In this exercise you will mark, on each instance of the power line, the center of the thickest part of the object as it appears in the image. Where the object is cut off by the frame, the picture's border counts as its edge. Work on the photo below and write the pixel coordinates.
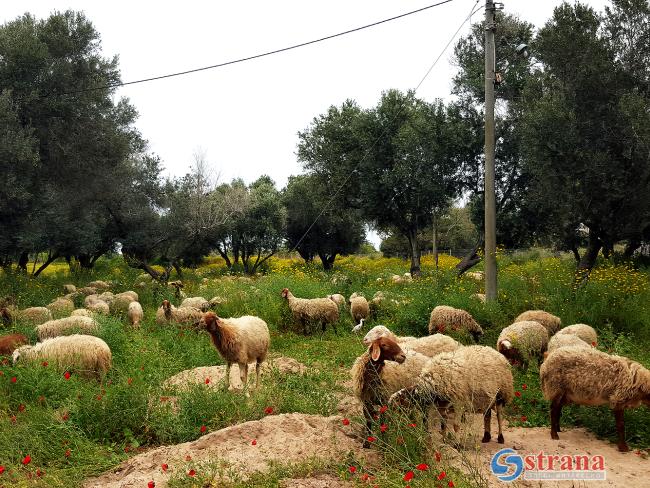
(473, 10)
(256, 56)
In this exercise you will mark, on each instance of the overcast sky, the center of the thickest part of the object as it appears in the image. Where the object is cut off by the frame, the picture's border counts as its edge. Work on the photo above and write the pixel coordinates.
(246, 116)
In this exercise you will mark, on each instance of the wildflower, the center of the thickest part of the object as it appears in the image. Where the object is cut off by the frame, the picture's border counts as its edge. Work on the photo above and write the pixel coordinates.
(352, 469)
(372, 439)
(21, 408)
(164, 467)
(438, 456)
(408, 476)
(345, 421)
(2, 469)
(422, 467)
(451, 484)
(13, 418)
(413, 425)
(207, 381)
(254, 442)
(365, 477)
(45, 364)
(68, 453)
(517, 394)
(191, 472)
(383, 427)
(151, 484)
(524, 418)
(39, 473)
(383, 409)
(268, 410)
(65, 416)
(66, 375)
(14, 379)
(26, 460)
(442, 475)
(524, 386)
(129, 381)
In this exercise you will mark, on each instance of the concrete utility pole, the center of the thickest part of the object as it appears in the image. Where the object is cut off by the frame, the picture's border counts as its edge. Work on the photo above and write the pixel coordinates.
(490, 198)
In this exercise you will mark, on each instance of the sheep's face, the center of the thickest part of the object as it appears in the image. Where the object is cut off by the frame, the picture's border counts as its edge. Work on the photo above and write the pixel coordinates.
(211, 321)
(166, 305)
(285, 293)
(386, 349)
(18, 352)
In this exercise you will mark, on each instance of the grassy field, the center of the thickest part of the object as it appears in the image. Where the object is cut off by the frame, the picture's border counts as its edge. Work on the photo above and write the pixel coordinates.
(74, 428)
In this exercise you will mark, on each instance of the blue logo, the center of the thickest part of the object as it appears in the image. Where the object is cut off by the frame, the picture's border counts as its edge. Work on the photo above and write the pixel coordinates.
(505, 461)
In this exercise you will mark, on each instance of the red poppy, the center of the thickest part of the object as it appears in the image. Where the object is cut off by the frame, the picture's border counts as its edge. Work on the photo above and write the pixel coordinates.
(207, 381)
(191, 472)
(14, 379)
(65, 416)
(45, 364)
(438, 456)
(2, 469)
(524, 386)
(41, 399)
(408, 476)
(13, 418)
(151, 484)
(26, 460)
(383, 427)
(254, 442)
(66, 375)
(442, 475)
(352, 469)
(99, 397)
(203, 428)
(422, 467)
(372, 439)
(67, 453)
(164, 467)
(593, 344)
(451, 484)
(21, 408)
(365, 477)
(268, 410)
(39, 473)
(383, 409)
(524, 418)
(517, 394)
(345, 421)
(413, 425)
(129, 381)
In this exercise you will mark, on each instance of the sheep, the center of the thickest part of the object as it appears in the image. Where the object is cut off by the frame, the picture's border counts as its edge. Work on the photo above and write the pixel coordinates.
(338, 299)
(475, 275)
(564, 340)
(216, 301)
(182, 315)
(121, 301)
(85, 354)
(98, 306)
(196, 302)
(69, 288)
(99, 285)
(428, 345)
(61, 307)
(81, 312)
(240, 340)
(472, 378)
(135, 313)
(587, 376)
(9, 342)
(64, 326)
(551, 322)
(305, 310)
(35, 315)
(87, 290)
(444, 317)
(523, 341)
(583, 331)
(359, 308)
(375, 379)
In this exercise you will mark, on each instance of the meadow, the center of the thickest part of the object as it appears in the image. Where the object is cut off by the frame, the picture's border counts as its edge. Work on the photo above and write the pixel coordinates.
(57, 431)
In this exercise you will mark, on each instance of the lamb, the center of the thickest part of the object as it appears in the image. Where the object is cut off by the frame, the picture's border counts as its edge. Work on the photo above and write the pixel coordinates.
(583, 331)
(183, 315)
(359, 308)
(523, 341)
(587, 376)
(9, 342)
(428, 345)
(444, 317)
(196, 302)
(135, 313)
(61, 307)
(240, 340)
(35, 315)
(85, 354)
(551, 322)
(564, 340)
(305, 310)
(338, 299)
(64, 326)
(472, 378)
(375, 379)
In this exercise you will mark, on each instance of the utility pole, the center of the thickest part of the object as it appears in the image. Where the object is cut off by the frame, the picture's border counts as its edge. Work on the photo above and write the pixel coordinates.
(489, 195)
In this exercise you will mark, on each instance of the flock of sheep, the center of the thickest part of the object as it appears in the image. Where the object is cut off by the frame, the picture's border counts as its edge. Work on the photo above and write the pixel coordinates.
(427, 373)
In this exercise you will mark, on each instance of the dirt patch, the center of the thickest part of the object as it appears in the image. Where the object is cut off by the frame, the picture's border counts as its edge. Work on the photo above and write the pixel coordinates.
(214, 376)
(287, 438)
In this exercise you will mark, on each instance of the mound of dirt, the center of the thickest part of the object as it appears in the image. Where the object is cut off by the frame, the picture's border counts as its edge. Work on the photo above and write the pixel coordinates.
(244, 449)
(213, 376)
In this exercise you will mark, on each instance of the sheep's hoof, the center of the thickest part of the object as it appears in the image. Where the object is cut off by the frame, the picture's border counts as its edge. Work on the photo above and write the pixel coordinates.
(623, 447)
(500, 439)
(486, 437)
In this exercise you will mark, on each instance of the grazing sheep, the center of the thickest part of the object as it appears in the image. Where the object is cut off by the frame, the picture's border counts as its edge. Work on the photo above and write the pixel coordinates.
(338, 299)
(35, 315)
(9, 342)
(135, 313)
(375, 379)
(551, 322)
(583, 331)
(475, 275)
(216, 301)
(472, 378)
(107, 297)
(61, 307)
(69, 288)
(87, 290)
(240, 340)
(359, 308)
(84, 354)
(306, 310)
(587, 376)
(428, 345)
(196, 302)
(97, 305)
(564, 340)
(81, 312)
(523, 341)
(65, 326)
(182, 315)
(121, 301)
(99, 285)
(445, 318)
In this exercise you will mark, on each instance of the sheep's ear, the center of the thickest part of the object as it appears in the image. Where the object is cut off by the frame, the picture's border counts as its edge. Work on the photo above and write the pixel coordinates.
(375, 351)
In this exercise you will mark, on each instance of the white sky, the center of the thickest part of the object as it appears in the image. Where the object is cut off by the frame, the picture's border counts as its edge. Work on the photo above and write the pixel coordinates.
(246, 116)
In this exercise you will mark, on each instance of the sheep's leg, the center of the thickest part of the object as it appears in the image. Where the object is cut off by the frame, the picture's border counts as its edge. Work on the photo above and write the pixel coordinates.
(487, 421)
(334, 327)
(499, 408)
(619, 414)
(243, 376)
(228, 375)
(556, 413)
(258, 369)
(304, 326)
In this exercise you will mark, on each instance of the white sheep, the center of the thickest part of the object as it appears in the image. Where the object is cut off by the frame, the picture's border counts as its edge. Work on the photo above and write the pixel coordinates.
(84, 354)
(471, 379)
(196, 302)
(65, 326)
(99, 285)
(564, 340)
(446, 319)
(428, 345)
(61, 307)
(382, 370)
(382, 331)
(135, 313)
(81, 312)
(338, 299)
(183, 315)
(359, 308)
(121, 301)
(305, 310)
(35, 315)
(240, 340)
(96, 305)
(587, 376)
(523, 341)
(69, 288)
(583, 331)
(550, 321)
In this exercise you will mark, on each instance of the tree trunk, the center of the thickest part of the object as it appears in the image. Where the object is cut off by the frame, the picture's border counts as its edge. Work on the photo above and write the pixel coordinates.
(471, 258)
(415, 253)
(50, 259)
(179, 270)
(23, 260)
(435, 240)
(588, 260)
(631, 246)
(327, 260)
(576, 254)
(224, 255)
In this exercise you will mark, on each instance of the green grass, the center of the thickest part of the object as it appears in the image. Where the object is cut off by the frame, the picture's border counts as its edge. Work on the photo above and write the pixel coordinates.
(43, 415)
